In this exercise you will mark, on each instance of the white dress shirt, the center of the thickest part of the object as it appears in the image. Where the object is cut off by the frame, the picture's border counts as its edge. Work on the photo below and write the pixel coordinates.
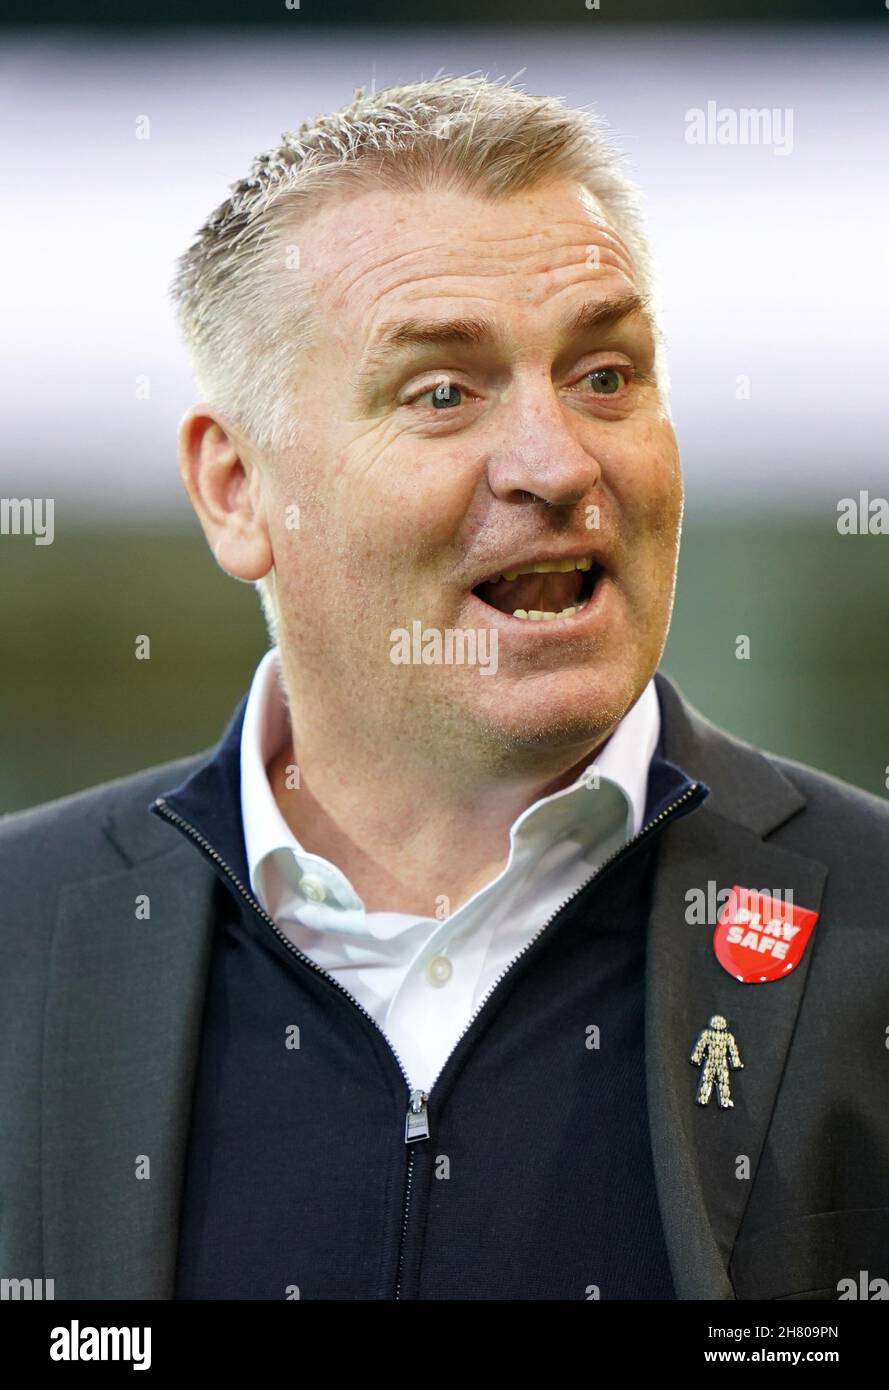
(422, 979)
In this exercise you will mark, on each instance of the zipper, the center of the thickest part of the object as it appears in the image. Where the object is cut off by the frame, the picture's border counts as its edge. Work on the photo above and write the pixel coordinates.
(612, 858)
(416, 1120)
(402, 1243)
(416, 1124)
(423, 1096)
(173, 816)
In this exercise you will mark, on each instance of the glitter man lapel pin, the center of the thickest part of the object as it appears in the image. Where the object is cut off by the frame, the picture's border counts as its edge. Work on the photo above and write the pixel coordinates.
(713, 1051)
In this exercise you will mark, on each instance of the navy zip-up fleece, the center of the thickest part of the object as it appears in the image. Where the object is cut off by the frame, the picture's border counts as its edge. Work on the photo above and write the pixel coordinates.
(536, 1180)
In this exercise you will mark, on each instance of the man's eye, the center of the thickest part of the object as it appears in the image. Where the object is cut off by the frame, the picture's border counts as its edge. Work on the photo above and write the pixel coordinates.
(442, 397)
(605, 381)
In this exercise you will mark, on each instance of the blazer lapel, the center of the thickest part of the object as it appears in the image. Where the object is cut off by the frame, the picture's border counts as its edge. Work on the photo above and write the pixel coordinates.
(123, 1014)
(706, 1157)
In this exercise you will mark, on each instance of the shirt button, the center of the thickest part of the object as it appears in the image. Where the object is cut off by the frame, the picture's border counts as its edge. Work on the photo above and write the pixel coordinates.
(313, 889)
(439, 970)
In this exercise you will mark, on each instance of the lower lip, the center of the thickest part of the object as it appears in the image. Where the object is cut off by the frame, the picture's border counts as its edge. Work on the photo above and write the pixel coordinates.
(588, 618)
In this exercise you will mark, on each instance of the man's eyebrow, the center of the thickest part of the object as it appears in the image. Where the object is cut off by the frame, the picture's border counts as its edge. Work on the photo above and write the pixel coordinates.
(605, 313)
(392, 337)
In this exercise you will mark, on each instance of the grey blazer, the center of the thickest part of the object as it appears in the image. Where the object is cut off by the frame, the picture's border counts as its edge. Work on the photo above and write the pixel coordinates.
(100, 1017)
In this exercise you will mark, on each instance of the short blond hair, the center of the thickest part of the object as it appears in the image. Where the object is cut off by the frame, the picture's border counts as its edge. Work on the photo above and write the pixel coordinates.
(486, 137)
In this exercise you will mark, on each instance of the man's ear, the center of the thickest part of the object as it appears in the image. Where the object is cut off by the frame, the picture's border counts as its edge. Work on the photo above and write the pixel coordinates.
(223, 479)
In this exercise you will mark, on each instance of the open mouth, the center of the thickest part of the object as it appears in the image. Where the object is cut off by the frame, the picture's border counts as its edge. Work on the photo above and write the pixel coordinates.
(544, 591)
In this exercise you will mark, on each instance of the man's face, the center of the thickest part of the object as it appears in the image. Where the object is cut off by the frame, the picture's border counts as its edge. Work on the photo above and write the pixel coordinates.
(545, 440)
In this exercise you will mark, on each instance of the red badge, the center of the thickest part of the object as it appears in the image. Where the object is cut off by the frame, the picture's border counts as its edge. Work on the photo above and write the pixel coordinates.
(759, 938)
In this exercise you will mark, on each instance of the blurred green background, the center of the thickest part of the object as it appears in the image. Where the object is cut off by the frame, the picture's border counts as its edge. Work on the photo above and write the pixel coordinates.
(746, 246)
(78, 708)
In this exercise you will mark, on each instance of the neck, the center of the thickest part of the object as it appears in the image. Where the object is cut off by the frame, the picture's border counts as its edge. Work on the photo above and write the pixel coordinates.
(405, 837)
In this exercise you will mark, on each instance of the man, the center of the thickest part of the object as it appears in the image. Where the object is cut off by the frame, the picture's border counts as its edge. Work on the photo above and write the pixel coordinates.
(405, 989)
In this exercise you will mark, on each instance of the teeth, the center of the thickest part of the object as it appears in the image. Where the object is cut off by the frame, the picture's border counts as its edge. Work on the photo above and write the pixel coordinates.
(547, 567)
(537, 617)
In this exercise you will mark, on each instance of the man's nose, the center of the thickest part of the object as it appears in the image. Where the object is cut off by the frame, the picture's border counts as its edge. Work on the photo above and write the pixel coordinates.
(544, 448)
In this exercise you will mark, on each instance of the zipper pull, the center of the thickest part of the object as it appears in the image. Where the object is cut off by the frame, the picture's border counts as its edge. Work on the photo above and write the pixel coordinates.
(416, 1124)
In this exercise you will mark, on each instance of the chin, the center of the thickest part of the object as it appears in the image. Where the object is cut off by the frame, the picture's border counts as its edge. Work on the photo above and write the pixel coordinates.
(563, 711)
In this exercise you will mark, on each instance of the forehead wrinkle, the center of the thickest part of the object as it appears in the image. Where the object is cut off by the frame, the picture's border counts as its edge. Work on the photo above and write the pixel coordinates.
(486, 249)
(434, 283)
(361, 273)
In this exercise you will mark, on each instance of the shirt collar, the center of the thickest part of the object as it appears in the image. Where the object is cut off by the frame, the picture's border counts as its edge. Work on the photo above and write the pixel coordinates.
(626, 757)
(624, 761)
